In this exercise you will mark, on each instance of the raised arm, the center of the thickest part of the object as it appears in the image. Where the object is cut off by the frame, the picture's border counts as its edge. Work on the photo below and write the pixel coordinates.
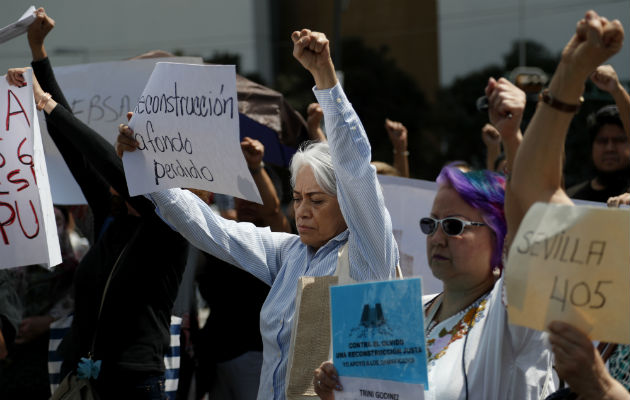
(91, 159)
(371, 242)
(506, 104)
(606, 79)
(397, 133)
(314, 116)
(255, 250)
(270, 214)
(312, 50)
(36, 34)
(492, 140)
(93, 186)
(596, 39)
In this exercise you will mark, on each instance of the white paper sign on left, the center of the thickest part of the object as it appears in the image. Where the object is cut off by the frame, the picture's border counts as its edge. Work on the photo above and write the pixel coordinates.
(18, 27)
(28, 232)
(186, 123)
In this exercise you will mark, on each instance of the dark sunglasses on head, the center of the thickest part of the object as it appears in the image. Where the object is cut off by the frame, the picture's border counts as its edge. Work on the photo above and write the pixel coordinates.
(452, 226)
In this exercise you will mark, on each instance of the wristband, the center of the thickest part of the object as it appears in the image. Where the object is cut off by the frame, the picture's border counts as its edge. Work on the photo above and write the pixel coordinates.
(256, 170)
(404, 153)
(546, 97)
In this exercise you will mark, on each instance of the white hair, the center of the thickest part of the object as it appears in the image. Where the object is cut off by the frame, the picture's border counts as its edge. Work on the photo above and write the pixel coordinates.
(317, 156)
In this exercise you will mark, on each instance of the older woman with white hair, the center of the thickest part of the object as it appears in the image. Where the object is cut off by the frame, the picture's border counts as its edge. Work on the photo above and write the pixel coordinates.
(337, 200)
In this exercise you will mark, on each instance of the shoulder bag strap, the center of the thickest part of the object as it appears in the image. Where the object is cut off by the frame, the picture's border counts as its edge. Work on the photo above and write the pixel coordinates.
(399, 274)
(343, 266)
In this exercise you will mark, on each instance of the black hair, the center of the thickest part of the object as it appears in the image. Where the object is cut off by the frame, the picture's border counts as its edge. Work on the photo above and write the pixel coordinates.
(606, 115)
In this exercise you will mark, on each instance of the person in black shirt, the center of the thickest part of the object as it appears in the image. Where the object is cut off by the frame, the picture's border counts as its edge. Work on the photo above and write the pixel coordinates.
(132, 333)
(609, 129)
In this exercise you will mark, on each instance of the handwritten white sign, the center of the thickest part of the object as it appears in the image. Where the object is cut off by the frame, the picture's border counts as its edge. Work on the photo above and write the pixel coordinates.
(408, 200)
(19, 27)
(100, 95)
(28, 232)
(186, 123)
(572, 264)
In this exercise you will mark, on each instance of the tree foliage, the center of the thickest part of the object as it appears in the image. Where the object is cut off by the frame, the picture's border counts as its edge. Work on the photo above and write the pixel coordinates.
(378, 89)
(446, 130)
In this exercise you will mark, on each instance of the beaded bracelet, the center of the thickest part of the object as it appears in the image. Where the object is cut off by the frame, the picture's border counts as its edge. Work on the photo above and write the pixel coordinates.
(43, 101)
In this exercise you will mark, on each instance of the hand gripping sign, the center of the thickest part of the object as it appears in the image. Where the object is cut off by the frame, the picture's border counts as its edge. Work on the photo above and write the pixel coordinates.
(28, 233)
(379, 346)
(186, 123)
(572, 264)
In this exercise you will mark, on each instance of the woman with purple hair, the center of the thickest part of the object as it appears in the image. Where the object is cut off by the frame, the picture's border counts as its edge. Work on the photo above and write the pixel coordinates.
(472, 350)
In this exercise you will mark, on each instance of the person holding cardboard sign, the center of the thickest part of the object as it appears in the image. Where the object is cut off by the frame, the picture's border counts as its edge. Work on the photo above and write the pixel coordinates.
(142, 255)
(596, 39)
(337, 200)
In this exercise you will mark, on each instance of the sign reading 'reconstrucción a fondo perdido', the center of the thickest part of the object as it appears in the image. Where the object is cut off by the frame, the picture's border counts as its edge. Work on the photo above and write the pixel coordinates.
(186, 125)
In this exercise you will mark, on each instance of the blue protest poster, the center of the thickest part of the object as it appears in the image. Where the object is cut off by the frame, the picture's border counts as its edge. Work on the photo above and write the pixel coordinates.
(378, 331)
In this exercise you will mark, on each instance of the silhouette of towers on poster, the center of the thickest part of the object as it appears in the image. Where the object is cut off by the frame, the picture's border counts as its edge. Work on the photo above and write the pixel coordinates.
(372, 322)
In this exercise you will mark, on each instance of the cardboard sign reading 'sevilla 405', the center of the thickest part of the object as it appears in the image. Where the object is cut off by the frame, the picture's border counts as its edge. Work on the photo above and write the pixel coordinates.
(28, 233)
(572, 264)
(186, 123)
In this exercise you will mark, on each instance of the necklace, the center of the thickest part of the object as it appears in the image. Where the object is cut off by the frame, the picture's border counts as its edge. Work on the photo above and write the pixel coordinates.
(451, 329)
(434, 321)
(434, 306)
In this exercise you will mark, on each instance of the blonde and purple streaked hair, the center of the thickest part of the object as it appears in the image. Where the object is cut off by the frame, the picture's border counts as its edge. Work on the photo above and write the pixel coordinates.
(485, 191)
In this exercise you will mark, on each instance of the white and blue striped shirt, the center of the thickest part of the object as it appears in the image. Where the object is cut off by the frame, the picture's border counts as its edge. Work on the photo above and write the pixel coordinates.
(279, 259)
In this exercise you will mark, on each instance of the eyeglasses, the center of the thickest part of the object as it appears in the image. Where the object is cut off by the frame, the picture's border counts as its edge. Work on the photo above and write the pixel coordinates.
(452, 226)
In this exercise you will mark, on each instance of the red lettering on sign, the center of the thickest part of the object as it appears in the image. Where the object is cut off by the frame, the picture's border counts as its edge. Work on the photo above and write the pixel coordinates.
(20, 220)
(12, 113)
(7, 222)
